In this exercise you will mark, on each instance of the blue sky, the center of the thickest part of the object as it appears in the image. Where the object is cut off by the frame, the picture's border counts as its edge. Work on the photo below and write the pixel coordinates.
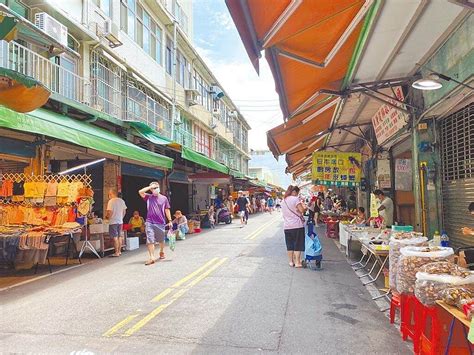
(218, 42)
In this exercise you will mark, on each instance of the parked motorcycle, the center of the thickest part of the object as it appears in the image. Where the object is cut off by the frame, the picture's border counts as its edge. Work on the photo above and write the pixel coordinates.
(224, 216)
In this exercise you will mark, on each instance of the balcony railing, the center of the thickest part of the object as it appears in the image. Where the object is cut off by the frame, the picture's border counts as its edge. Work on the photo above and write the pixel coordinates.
(185, 138)
(53, 76)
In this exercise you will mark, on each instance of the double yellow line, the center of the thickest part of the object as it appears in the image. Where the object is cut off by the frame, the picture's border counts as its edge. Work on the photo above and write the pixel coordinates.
(175, 292)
(259, 231)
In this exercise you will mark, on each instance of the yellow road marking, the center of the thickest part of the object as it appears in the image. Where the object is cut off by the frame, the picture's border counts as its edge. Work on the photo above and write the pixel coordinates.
(140, 324)
(162, 295)
(190, 276)
(260, 230)
(119, 325)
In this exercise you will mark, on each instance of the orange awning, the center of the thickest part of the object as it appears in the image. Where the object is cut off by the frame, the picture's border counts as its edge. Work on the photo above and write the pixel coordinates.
(308, 43)
(302, 129)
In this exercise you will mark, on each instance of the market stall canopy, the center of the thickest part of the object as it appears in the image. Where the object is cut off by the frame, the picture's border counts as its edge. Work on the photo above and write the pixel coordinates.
(83, 134)
(210, 178)
(201, 159)
(237, 174)
(309, 44)
(21, 93)
(302, 130)
(14, 26)
(148, 133)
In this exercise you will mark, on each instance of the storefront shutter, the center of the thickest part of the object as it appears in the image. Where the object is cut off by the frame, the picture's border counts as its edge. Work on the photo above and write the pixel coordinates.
(457, 139)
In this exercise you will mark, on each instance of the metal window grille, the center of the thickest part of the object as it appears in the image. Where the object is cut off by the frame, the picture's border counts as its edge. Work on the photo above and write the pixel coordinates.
(457, 136)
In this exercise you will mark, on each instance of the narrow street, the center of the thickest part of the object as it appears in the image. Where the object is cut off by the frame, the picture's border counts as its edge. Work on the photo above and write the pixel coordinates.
(228, 290)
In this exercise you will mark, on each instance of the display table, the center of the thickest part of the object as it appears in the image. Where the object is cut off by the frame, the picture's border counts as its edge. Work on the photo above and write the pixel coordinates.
(456, 317)
(348, 233)
(380, 256)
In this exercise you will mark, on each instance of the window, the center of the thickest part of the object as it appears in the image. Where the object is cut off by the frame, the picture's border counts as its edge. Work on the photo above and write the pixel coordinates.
(105, 6)
(146, 32)
(169, 56)
(17, 7)
(181, 64)
(156, 42)
(180, 16)
(128, 17)
(203, 141)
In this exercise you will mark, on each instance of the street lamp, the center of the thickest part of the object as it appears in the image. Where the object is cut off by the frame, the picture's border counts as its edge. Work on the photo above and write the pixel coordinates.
(433, 82)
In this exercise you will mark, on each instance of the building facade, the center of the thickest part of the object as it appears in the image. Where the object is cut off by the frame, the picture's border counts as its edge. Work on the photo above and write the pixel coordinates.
(129, 66)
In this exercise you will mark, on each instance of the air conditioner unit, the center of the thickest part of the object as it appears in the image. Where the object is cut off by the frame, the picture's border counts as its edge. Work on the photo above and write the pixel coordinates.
(52, 27)
(233, 114)
(192, 97)
(177, 118)
(111, 33)
(216, 92)
(216, 112)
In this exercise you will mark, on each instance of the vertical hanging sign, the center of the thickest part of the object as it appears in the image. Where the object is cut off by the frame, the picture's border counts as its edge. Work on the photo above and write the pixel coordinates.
(388, 120)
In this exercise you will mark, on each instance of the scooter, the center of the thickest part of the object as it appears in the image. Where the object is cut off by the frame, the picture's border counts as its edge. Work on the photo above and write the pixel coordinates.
(224, 216)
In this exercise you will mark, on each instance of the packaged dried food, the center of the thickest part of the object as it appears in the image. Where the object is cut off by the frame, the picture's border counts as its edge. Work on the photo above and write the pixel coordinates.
(468, 310)
(412, 259)
(457, 296)
(398, 241)
(431, 281)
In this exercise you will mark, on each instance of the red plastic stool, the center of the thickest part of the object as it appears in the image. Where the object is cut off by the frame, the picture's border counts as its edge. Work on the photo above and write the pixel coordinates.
(410, 319)
(332, 230)
(430, 331)
(395, 303)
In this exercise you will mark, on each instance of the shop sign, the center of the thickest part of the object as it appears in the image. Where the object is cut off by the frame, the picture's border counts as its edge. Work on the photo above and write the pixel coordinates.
(336, 169)
(383, 174)
(403, 175)
(388, 120)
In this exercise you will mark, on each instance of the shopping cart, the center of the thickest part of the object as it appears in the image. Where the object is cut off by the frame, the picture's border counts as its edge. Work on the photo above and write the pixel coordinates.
(313, 248)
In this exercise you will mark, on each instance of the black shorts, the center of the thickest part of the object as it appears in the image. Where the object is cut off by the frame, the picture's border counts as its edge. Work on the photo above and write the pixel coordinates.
(295, 239)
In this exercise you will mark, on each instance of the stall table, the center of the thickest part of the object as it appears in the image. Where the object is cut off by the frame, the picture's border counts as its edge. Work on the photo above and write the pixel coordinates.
(460, 317)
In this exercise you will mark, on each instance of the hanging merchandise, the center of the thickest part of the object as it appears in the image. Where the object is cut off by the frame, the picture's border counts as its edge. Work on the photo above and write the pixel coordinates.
(35, 209)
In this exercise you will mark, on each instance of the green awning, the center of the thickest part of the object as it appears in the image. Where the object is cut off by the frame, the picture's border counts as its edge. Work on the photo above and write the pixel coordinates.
(237, 174)
(149, 133)
(198, 158)
(84, 134)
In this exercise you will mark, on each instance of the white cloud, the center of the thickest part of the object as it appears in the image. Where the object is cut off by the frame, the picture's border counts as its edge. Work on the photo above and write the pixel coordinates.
(223, 20)
(254, 95)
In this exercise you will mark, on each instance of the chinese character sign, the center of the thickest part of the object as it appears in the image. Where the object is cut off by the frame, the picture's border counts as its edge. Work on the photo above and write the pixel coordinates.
(334, 168)
(388, 120)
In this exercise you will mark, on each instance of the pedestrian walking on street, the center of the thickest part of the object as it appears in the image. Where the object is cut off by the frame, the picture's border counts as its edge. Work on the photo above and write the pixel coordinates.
(157, 219)
(293, 209)
(116, 209)
(243, 204)
(278, 204)
(270, 204)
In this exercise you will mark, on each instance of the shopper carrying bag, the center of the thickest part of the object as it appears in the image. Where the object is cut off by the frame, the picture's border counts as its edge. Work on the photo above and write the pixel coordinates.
(293, 209)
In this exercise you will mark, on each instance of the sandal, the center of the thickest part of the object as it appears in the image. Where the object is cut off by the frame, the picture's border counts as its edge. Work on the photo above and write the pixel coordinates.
(162, 255)
(149, 262)
(291, 264)
(298, 266)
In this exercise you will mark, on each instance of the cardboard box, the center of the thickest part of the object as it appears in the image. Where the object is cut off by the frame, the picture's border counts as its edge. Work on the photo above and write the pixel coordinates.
(96, 229)
(132, 243)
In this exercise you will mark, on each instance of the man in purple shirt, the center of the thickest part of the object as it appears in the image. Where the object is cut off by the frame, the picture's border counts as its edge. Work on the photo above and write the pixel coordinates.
(158, 217)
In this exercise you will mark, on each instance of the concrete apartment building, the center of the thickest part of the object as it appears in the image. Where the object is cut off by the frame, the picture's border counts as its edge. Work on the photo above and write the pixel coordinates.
(129, 66)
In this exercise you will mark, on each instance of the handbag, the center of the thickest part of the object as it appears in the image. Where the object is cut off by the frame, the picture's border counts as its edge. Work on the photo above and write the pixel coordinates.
(296, 214)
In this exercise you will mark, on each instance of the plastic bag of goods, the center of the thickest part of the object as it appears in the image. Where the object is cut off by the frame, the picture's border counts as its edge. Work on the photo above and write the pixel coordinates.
(398, 241)
(413, 258)
(457, 296)
(434, 278)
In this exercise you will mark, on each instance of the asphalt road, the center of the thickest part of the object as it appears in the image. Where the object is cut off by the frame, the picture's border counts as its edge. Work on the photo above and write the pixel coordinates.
(229, 290)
